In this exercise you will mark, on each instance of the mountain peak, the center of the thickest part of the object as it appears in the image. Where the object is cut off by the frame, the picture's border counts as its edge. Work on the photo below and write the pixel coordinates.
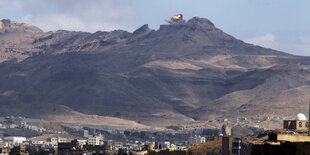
(8, 26)
(181, 71)
(5, 22)
(203, 22)
(194, 23)
(143, 29)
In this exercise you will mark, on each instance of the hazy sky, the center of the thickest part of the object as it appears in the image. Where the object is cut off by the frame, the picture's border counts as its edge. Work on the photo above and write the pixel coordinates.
(278, 24)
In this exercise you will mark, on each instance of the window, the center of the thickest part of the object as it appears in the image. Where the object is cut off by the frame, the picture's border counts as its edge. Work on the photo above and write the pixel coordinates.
(307, 124)
(235, 151)
(235, 144)
(300, 124)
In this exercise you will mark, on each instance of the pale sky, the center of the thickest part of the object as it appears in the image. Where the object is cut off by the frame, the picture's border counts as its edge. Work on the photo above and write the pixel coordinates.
(279, 24)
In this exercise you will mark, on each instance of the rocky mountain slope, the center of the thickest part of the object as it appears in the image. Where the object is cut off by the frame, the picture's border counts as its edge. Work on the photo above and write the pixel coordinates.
(179, 73)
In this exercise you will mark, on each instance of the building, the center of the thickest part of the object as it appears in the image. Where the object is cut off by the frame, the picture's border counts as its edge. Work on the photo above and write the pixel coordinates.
(284, 144)
(215, 138)
(96, 149)
(236, 146)
(94, 140)
(86, 133)
(72, 148)
(196, 140)
(287, 143)
(117, 145)
(54, 141)
(122, 151)
(1, 133)
(300, 123)
(15, 140)
(231, 145)
(227, 145)
(148, 147)
(162, 145)
(19, 150)
(295, 124)
(4, 151)
(82, 142)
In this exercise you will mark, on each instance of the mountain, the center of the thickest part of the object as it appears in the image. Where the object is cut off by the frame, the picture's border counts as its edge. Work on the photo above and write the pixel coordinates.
(179, 73)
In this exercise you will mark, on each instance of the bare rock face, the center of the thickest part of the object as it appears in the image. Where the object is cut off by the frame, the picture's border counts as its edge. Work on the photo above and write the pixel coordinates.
(8, 26)
(142, 30)
(181, 72)
(16, 40)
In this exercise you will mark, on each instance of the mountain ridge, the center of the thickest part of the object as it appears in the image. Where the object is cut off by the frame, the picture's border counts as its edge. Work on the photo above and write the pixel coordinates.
(178, 73)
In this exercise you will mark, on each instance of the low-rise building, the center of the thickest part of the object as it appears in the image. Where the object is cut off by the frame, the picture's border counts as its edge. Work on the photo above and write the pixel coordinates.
(162, 145)
(72, 148)
(295, 124)
(19, 150)
(96, 149)
(196, 140)
(300, 123)
(55, 140)
(94, 140)
(284, 144)
(4, 151)
(15, 139)
(118, 145)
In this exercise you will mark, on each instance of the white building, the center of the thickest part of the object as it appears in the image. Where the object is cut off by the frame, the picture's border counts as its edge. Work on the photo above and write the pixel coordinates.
(196, 140)
(37, 142)
(161, 145)
(54, 141)
(118, 145)
(15, 140)
(82, 142)
(94, 140)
